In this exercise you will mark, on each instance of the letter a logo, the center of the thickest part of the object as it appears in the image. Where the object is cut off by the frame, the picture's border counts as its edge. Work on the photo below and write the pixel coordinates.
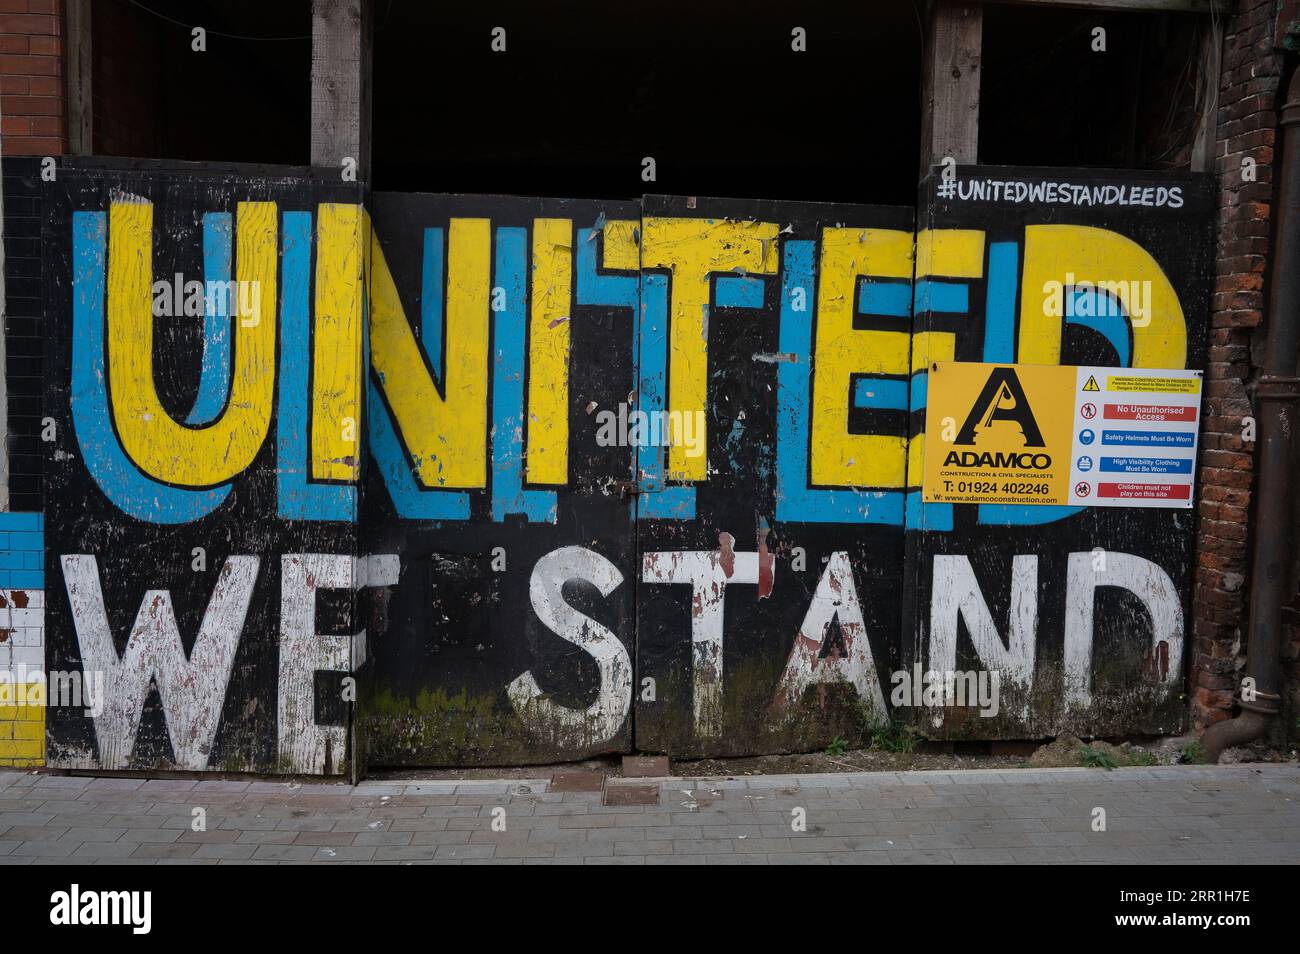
(1004, 400)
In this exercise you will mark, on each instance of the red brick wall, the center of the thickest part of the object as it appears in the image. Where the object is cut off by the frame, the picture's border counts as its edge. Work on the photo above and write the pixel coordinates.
(33, 98)
(1248, 91)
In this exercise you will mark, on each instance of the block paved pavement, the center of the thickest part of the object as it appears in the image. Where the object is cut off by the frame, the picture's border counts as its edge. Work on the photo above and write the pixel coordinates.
(1169, 815)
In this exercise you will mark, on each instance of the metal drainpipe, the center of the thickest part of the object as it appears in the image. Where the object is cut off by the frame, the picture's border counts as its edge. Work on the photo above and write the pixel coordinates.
(1277, 393)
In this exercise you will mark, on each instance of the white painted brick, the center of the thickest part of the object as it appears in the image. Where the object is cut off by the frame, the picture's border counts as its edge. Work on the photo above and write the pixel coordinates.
(29, 636)
(27, 617)
(35, 599)
(31, 656)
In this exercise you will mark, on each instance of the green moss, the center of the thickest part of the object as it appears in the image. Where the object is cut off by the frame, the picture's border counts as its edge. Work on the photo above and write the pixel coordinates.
(440, 728)
(753, 722)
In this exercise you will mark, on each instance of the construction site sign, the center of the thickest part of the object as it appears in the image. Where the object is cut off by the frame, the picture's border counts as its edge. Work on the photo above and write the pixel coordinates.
(1057, 434)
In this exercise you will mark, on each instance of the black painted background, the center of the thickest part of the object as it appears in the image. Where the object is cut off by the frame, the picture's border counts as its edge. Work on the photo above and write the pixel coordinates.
(456, 632)
(738, 498)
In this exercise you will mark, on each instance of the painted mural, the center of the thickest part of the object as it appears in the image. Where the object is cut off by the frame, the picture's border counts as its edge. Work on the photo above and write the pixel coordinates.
(771, 546)
(204, 406)
(339, 480)
(502, 331)
(1083, 612)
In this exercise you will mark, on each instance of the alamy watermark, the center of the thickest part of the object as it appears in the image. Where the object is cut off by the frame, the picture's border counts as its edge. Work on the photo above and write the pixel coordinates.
(59, 689)
(77, 907)
(933, 688)
(636, 428)
(176, 298)
(1105, 299)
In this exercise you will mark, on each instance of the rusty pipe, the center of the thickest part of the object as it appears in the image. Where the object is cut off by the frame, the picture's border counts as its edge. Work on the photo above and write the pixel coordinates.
(1276, 396)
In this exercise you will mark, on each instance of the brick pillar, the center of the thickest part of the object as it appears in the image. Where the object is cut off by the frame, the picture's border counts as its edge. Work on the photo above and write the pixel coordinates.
(1248, 91)
(33, 98)
(33, 122)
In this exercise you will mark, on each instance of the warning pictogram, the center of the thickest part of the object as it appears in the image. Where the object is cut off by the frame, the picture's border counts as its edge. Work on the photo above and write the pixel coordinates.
(1092, 383)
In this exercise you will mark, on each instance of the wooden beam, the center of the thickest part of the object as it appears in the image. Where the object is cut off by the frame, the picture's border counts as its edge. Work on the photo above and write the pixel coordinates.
(1207, 92)
(80, 110)
(950, 109)
(341, 44)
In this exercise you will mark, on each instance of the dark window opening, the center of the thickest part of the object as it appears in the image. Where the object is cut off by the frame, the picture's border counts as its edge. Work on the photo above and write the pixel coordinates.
(240, 100)
(1047, 98)
(712, 91)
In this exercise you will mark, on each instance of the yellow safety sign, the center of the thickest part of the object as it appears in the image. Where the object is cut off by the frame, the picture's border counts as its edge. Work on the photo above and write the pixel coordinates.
(1059, 434)
(998, 433)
